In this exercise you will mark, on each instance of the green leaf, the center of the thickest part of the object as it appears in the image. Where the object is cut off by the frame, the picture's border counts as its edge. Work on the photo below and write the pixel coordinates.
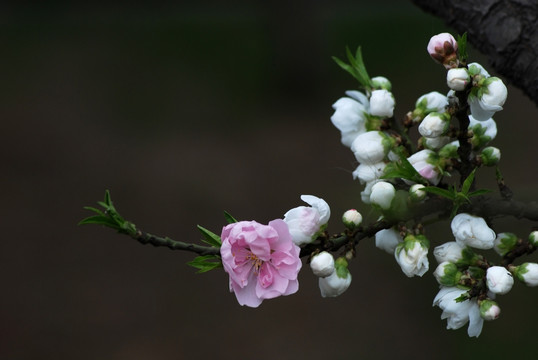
(356, 67)
(462, 47)
(468, 182)
(402, 169)
(205, 263)
(441, 192)
(229, 218)
(110, 217)
(99, 220)
(210, 237)
(479, 192)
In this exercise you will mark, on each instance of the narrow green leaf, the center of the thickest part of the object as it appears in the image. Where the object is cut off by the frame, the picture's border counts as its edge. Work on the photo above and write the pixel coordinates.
(205, 263)
(229, 218)
(210, 237)
(441, 192)
(462, 47)
(479, 192)
(346, 67)
(100, 220)
(468, 182)
(94, 210)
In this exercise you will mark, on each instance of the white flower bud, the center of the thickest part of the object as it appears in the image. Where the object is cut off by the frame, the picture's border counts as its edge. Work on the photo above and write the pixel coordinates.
(434, 125)
(322, 264)
(449, 251)
(489, 310)
(490, 99)
(472, 231)
(533, 238)
(412, 255)
(305, 222)
(457, 79)
(436, 142)
(487, 128)
(477, 69)
(350, 116)
(369, 172)
(499, 280)
(352, 219)
(382, 103)
(416, 193)
(382, 194)
(381, 82)
(388, 239)
(336, 283)
(528, 273)
(490, 156)
(447, 274)
(432, 102)
(371, 147)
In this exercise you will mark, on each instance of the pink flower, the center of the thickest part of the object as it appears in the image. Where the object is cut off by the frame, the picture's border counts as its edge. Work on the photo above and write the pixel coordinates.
(442, 48)
(262, 260)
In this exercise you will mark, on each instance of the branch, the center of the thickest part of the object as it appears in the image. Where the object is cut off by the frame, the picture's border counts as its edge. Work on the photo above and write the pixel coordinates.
(505, 31)
(145, 238)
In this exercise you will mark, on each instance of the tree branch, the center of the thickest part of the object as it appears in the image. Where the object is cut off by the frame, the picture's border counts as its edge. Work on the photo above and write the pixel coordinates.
(504, 30)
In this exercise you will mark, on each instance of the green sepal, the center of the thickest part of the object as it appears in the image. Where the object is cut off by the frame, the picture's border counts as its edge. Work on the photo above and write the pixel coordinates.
(476, 272)
(206, 263)
(340, 266)
(507, 243)
(210, 238)
(468, 257)
(229, 218)
(463, 297)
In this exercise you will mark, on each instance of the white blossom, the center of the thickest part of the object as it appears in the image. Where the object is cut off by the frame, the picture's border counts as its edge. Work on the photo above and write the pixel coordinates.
(472, 231)
(305, 222)
(382, 194)
(433, 125)
(322, 264)
(370, 147)
(350, 115)
(457, 79)
(528, 273)
(432, 102)
(388, 239)
(449, 251)
(382, 103)
(499, 280)
(412, 256)
(369, 172)
(459, 313)
(489, 100)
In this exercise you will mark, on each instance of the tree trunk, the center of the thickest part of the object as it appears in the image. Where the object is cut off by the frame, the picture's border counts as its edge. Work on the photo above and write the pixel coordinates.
(504, 30)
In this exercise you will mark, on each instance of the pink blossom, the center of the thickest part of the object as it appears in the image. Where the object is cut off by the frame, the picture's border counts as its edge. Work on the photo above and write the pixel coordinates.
(262, 260)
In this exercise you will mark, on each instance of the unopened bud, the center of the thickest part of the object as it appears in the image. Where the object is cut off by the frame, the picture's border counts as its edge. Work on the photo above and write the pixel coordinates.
(352, 219)
(416, 193)
(490, 156)
(489, 310)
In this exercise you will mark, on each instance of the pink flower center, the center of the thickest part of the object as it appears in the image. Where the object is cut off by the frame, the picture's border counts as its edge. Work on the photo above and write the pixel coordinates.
(256, 262)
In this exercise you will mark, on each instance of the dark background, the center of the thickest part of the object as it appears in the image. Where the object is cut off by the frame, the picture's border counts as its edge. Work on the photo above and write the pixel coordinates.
(184, 111)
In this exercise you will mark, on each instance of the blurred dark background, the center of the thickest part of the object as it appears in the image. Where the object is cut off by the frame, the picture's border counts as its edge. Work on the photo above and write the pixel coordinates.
(185, 110)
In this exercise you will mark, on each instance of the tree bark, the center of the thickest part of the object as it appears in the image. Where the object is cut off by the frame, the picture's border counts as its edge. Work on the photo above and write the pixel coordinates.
(504, 30)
